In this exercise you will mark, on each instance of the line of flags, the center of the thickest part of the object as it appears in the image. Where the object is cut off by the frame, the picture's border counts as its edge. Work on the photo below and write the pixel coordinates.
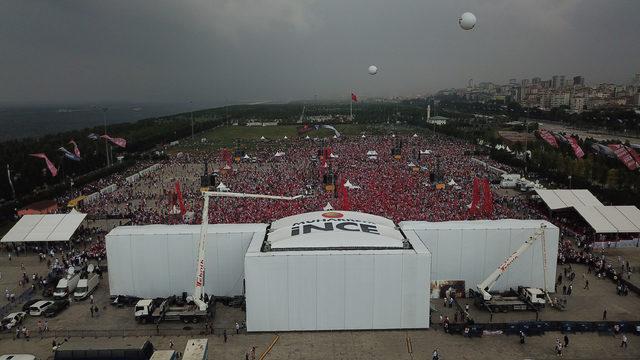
(626, 154)
(74, 155)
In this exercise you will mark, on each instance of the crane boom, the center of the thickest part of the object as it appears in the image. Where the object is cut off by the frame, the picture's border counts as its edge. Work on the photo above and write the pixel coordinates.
(485, 286)
(198, 294)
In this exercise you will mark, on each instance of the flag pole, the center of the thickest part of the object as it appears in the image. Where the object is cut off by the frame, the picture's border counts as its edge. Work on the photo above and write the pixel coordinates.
(351, 105)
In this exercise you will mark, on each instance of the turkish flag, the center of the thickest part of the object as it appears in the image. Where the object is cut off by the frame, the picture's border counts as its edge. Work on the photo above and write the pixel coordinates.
(354, 98)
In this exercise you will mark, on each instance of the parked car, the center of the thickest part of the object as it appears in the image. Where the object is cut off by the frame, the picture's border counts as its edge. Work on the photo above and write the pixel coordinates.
(123, 300)
(18, 357)
(12, 320)
(38, 308)
(28, 304)
(56, 308)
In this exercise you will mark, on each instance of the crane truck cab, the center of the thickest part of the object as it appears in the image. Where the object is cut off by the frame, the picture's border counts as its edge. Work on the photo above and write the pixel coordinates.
(533, 295)
(144, 309)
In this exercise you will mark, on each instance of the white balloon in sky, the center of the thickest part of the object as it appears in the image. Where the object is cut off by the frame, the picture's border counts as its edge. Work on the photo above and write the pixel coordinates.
(467, 21)
(373, 70)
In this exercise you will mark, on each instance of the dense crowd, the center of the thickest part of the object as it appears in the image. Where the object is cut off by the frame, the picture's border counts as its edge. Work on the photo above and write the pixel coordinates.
(387, 186)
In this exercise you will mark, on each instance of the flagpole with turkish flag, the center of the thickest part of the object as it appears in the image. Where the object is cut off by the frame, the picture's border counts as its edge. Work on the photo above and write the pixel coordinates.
(354, 98)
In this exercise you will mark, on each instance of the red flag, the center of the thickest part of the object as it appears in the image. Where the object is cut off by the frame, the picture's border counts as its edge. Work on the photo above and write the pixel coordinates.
(183, 210)
(354, 98)
(117, 141)
(623, 155)
(577, 150)
(226, 156)
(50, 165)
(487, 205)
(548, 137)
(75, 148)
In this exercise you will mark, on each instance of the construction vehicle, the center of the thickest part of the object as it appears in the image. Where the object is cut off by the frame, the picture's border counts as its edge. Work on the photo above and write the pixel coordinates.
(170, 309)
(195, 307)
(522, 299)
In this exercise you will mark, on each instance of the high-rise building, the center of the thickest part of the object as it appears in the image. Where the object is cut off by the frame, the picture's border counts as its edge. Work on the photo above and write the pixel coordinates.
(561, 82)
(636, 79)
(471, 83)
(578, 81)
(524, 82)
(513, 81)
(535, 81)
(555, 81)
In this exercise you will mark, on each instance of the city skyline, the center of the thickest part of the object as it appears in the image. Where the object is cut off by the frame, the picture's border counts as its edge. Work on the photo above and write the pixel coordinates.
(281, 50)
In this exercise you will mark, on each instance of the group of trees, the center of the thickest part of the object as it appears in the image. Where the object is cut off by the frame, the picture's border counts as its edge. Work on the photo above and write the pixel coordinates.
(604, 175)
(30, 176)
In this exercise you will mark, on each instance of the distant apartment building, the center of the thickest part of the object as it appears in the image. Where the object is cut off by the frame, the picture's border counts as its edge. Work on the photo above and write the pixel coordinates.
(561, 99)
(576, 104)
(555, 81)
(578, 81)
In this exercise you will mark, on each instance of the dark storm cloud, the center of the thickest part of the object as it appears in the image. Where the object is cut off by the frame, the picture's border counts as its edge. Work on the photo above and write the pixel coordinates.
(210, 51)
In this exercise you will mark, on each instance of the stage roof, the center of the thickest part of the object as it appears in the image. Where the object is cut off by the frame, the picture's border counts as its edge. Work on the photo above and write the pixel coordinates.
(51, 227)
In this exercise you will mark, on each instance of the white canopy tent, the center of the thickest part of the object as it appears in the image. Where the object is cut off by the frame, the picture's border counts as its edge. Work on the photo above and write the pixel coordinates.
(602, 219)
(222, 187)
(327, 207)
(279, 154)
(50, 227)
(564, 199)
(349, 185)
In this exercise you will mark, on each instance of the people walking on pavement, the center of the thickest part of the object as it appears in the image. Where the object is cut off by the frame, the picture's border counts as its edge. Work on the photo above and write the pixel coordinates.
(435, 355)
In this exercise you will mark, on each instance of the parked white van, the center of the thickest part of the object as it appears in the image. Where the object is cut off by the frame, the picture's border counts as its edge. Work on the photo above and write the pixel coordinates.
(38, 308)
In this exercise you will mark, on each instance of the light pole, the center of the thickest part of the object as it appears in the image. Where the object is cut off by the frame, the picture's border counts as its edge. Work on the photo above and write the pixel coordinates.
(106, 142)
(570, 185)
(191, 105)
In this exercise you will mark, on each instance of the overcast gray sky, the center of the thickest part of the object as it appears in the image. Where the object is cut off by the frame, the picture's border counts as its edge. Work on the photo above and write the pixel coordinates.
(217, 50)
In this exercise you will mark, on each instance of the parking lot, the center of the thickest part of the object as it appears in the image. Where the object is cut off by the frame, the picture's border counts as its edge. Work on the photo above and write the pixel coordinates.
(117, 325)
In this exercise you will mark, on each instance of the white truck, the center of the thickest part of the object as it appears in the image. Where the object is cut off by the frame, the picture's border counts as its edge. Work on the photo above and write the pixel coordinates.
(525, 298)
(67, 285)
(87, 284)
(169, 309)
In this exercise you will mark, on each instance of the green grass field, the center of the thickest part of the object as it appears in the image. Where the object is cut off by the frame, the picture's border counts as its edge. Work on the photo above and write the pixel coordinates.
(227, 136)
